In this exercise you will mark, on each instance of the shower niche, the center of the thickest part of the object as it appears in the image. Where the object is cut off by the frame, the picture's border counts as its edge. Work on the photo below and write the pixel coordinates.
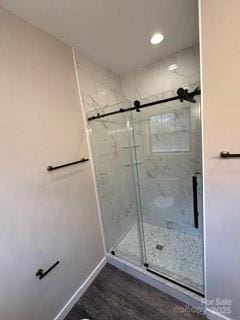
(149, 174)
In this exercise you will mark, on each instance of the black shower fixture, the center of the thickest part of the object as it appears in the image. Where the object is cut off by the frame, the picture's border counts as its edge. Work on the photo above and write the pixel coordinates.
(184, 95)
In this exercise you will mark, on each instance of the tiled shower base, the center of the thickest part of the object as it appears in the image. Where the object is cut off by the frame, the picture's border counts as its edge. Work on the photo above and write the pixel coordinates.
(171, 253)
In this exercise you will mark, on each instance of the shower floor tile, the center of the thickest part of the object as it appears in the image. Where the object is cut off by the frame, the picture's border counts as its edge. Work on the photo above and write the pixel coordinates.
(171, 253)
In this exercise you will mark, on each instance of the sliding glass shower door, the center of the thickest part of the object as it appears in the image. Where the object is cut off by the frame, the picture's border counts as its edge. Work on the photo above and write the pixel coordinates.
(149, 175)
(168, 153)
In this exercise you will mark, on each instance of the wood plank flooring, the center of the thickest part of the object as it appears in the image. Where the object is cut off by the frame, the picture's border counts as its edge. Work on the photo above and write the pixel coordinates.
(115, 295)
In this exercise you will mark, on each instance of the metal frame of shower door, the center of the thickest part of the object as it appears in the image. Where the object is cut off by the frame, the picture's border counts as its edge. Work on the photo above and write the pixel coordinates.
(182, 95)
(133, 160)
(202, 195)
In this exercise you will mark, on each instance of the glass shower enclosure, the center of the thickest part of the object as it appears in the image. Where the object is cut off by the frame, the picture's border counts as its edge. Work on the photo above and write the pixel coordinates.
(149, 175)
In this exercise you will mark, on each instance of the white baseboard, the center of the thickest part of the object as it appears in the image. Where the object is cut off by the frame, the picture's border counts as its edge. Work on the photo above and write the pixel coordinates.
(80, 291)
(213, 315)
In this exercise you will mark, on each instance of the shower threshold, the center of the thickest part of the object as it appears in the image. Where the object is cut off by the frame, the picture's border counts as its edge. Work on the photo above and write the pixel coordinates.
(173, 281)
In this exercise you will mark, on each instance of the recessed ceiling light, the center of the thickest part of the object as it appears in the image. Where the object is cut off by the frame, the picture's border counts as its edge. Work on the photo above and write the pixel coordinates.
(172, 67)
(156, 38)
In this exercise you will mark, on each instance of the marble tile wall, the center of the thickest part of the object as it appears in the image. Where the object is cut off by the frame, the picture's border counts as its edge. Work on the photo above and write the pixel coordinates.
(100, 87)
(156, 78)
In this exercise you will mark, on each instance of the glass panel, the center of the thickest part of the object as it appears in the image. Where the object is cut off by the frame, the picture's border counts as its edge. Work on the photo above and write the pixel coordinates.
(169, 156)
(113, 153)
(146, 163)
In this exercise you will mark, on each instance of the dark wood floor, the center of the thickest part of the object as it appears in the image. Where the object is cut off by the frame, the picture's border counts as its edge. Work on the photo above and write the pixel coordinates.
(114, 295)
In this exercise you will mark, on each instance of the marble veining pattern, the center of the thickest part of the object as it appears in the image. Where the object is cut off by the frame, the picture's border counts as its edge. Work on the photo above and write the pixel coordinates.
(100, 87)
(152, 79)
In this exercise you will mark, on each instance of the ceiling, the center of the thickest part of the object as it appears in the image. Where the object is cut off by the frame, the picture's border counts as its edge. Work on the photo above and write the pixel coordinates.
(115, 33)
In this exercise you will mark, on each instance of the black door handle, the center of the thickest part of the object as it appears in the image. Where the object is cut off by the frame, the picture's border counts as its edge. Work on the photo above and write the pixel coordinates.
(195, 201)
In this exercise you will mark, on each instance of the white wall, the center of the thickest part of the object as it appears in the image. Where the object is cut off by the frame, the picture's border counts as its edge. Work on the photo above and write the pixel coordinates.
(220, 25)
(44, 216)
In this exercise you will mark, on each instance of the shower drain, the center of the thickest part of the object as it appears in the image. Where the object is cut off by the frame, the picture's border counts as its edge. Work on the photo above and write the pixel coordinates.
(159, 246)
